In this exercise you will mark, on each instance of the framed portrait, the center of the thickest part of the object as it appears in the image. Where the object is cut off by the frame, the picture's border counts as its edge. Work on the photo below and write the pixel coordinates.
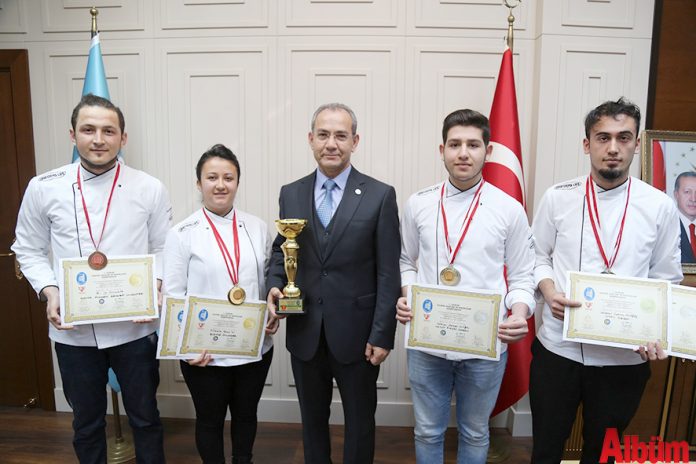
(669, 164)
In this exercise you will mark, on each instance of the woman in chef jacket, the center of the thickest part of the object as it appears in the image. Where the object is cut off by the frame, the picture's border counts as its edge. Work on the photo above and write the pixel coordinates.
(221, 252)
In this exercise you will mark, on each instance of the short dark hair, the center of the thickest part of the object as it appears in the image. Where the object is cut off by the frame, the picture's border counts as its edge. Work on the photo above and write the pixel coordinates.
(681, 176)
(218, 151)
(92, 100)
(613, 109)
(467, 117)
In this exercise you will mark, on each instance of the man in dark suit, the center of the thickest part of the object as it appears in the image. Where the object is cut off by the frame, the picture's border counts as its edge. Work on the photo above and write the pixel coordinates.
(348, 272)
(685, 195)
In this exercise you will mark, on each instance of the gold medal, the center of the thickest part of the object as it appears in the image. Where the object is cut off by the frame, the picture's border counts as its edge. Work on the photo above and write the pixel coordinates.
(237, 295)
(97, 261)
(450, 276)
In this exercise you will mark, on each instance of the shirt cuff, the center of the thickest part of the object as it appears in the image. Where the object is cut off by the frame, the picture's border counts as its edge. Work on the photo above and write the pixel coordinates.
(541, 272)
(521, 296)
(409, 278)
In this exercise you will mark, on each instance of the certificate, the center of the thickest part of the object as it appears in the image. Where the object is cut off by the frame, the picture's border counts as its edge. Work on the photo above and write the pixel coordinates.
(170, 327)
(125, 290)
(624, 312)
(682, 321)
(446, 320)
(221, 328)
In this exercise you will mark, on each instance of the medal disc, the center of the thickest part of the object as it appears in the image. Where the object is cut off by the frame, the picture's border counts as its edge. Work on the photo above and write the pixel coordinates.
(97, 260)
(607, 271)
(450, 276)
(236, 295)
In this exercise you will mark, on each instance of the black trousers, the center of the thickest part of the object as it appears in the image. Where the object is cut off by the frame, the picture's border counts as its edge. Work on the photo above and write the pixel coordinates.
(84, 370)
(357, 383)
(214, 390)
(610, 396)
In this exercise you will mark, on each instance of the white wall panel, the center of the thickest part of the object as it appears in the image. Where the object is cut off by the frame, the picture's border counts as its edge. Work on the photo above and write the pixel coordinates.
(64, 78)
(613, 18)
(12, 17)
(221, 97)
(352, 16)
(363, 75)
(446, 75)
(73, 15)
(207, 14)
(577, 75)
(480, 18)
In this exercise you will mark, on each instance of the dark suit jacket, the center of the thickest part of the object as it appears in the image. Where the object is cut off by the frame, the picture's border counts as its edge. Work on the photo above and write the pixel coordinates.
(353, 286)
(686, 251)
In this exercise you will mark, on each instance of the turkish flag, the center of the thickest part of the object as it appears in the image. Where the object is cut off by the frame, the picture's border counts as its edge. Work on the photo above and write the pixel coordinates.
(504, 170)
(659, 175)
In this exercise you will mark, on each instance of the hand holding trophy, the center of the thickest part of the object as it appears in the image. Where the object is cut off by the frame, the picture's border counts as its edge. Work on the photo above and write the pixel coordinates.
(291, 303)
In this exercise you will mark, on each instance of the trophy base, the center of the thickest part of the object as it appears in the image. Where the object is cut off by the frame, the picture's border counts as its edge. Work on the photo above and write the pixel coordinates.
(290, 306)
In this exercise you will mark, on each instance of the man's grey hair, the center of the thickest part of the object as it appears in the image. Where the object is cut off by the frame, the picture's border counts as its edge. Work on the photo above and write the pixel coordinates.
(336, 107)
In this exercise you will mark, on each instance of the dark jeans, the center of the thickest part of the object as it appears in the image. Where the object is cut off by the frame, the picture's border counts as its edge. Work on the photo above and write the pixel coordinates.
(214, 390)
(610, 396)
(84, 371)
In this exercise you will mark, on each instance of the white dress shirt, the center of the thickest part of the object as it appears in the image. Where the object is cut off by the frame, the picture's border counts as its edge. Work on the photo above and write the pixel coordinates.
(193, 263)
(52, 225)
(499, 235)
(565, 242)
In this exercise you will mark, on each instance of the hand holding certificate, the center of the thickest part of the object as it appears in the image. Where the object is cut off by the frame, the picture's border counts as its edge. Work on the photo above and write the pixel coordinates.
(624, 312)
(445, 320)
(222, 329)
(124, 290)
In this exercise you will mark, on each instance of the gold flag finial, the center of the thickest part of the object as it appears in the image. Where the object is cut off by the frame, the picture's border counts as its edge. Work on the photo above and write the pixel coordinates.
(511, 19)
(94, 12)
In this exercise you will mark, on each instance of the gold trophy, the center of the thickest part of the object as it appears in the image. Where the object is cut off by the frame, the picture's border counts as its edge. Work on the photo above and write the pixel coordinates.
(291, 303)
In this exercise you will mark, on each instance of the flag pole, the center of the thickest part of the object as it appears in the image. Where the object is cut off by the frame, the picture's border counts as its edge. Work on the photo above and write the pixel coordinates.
(511, 19)
(497, 452)
(94, 12)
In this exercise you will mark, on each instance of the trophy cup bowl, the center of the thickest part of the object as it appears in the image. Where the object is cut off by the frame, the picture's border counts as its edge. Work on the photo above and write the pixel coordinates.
(291, 303)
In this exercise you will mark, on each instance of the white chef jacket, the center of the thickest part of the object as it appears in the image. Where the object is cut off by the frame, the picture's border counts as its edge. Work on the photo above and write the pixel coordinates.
(52, 225)
(499, 235)
(565, 242)
(193, 263)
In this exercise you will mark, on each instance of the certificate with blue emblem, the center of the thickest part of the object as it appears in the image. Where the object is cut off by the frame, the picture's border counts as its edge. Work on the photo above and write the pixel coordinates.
(623, 312)
(446, 320)
(124, 290)
(171, 317)
(221, 328)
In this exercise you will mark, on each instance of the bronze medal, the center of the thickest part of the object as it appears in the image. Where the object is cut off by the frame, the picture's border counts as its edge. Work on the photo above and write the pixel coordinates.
(97, 261)
(237, 295)
(450, 276)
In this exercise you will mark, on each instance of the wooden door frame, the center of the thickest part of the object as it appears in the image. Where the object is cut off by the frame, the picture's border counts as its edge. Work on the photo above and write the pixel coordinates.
(17, 62)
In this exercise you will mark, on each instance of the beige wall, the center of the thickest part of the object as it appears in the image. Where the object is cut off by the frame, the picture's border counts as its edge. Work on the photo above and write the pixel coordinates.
(248, 73)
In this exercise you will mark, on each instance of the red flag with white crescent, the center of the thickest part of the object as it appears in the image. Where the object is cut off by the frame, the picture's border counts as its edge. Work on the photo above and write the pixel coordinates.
(659, 173)
(504, 170)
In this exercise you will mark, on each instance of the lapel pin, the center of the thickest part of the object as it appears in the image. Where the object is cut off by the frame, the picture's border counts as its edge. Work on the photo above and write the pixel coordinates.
(358, 191)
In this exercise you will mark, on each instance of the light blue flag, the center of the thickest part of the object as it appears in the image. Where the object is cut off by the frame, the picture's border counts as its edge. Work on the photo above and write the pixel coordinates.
(95, 83)
(95, 78)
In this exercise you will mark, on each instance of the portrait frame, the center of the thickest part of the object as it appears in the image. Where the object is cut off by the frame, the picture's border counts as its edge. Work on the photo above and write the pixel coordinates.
(665, 155)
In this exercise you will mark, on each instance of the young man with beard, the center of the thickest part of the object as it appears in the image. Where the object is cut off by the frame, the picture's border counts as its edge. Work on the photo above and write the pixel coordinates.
(638, 237)
(83, 209)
